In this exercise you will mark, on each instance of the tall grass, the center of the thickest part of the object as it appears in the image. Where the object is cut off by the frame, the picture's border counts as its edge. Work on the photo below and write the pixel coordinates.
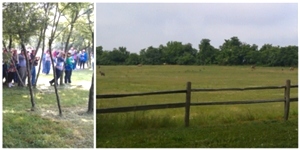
(129, 79)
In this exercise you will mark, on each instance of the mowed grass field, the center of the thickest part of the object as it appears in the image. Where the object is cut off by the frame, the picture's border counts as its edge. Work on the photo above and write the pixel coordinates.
(218, 126)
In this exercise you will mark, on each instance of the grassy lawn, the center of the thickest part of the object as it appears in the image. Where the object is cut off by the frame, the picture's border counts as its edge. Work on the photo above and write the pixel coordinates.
(254, 134)
(44, 128)
(237, 126)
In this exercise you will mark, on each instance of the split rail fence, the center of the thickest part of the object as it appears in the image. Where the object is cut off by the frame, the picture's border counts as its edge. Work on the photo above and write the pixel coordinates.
(187, 104)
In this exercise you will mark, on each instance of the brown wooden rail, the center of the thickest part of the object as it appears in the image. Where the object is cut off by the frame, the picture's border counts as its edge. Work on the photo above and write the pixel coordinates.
(188, 103)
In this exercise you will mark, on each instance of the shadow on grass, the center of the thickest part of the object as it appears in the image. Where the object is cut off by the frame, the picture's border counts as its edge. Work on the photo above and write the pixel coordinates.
(44, 128)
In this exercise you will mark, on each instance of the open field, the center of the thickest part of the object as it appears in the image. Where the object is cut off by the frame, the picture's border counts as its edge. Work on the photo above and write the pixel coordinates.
(210, 126)
(44, 128)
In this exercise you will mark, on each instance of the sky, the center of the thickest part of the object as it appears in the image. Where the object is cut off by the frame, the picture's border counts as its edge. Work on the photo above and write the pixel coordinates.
(138, 26)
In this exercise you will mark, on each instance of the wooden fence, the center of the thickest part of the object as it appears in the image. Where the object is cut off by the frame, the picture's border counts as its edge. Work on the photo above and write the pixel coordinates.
(187, 104)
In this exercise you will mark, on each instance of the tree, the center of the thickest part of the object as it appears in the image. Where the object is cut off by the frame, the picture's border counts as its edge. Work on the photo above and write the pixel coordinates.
(99, 51)
(133, 59)
(72, 12)
(91, 97)
(22, 20)
(231, 52)
(288, 56)
(117, 56)
(151, 56)
(189, 55)
(42, 36)
(57, 15)
(207, 53)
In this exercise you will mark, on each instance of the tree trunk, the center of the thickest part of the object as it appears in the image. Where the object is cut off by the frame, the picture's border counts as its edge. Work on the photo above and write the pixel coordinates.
(28, 67)
(54, 75)
(9, 49)
(42, 37)
(67, 48)
(91, 97)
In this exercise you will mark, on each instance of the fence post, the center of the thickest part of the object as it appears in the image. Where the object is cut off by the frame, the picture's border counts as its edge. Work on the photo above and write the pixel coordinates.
(287, 99)
(187, 104)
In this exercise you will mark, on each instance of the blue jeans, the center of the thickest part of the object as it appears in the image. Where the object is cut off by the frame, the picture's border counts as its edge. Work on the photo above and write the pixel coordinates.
(74, 64)
(47, 66)
(44, 66)
(68, 74)
(57, 73)
(33, 75)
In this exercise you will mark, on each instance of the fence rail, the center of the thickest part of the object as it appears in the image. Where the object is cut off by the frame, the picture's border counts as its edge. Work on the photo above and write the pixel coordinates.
(139, 94)
(188, 103)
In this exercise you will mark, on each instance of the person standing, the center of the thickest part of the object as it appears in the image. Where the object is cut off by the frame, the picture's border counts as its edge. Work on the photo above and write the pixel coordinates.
(44, 63)
(16, 63)
(83, 58)
(11, 73)
(78, 58)
(58, 68)
(47, 62)
(5, 64)
(22, 68)
(68, 68)
(74, 55)
(33, 62)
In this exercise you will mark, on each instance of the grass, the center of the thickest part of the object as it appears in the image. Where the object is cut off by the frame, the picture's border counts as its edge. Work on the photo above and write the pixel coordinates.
(44, 128)
(254, 134)
(254, 120)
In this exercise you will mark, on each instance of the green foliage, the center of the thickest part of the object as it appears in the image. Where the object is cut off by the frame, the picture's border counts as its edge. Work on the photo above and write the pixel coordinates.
(231, 52)
(133, 59)
(22, 20)
(151, 56)
(26, 21)
(207, 53)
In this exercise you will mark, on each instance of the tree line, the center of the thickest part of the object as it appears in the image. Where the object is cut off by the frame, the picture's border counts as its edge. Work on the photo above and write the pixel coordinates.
(231, 52)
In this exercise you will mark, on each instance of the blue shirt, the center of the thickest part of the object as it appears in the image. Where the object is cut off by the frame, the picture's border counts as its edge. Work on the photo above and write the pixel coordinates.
(60, 63)
(22, 61)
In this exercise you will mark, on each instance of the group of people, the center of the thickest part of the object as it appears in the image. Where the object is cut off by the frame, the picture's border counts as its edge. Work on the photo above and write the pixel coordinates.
(80, 58)
(14, 65)
(73, 58)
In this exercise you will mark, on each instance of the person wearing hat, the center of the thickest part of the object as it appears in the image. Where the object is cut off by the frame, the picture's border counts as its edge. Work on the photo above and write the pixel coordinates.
(58, 68)
(68, 68)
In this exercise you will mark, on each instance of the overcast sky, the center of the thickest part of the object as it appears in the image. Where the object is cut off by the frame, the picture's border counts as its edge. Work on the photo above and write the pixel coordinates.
(139, 25)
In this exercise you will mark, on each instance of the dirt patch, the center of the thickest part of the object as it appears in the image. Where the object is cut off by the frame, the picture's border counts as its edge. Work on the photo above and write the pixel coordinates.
(73, 114)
